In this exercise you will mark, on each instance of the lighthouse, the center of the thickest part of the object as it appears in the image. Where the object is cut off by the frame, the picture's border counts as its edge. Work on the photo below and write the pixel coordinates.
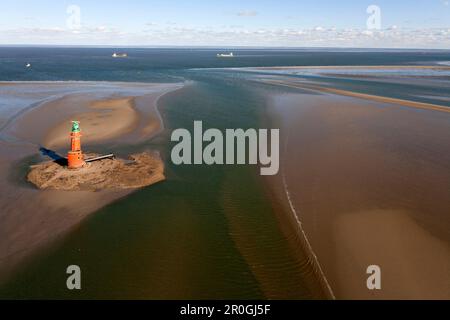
(75, 159)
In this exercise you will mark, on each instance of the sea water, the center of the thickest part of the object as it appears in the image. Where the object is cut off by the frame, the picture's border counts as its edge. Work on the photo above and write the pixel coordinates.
(206, 232)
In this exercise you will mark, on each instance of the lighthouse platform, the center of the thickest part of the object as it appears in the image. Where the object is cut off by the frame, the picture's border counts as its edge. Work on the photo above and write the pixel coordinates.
(140, 170)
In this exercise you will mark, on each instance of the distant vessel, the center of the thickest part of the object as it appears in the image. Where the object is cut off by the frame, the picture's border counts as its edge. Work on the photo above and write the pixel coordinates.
(119, 55)
(225, 55)
(28, 65)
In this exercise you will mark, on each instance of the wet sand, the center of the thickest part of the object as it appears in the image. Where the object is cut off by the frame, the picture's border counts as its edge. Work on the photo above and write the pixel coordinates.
(368, 183)
(378, 67)
(31, 219)
(106, 119)
(407, 103)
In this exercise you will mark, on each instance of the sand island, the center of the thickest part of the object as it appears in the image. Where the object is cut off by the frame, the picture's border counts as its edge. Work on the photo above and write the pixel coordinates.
(139, 171)
(93, 172)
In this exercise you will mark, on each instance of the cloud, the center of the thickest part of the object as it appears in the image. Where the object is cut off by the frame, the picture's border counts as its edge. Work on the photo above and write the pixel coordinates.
(165, 34)
(247, 13)
(57, 35)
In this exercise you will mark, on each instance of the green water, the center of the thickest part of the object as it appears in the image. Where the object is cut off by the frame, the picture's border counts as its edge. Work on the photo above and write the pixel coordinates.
(205, 233)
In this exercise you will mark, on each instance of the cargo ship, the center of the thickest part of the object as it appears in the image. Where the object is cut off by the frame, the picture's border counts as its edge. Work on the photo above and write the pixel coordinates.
(119, 55)
(225, 55)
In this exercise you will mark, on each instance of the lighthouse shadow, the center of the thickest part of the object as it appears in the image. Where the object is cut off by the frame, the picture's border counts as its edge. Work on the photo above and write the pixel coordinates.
(53, 155)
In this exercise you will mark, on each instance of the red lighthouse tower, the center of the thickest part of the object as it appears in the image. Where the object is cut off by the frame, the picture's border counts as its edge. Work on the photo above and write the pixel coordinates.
(75, 158)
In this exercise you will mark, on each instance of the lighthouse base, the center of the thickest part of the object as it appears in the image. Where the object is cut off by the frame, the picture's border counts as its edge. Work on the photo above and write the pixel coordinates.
(139, 171)
(75, 160)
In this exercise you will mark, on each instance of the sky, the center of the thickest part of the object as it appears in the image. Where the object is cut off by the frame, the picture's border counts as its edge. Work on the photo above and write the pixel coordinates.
(227, 23)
